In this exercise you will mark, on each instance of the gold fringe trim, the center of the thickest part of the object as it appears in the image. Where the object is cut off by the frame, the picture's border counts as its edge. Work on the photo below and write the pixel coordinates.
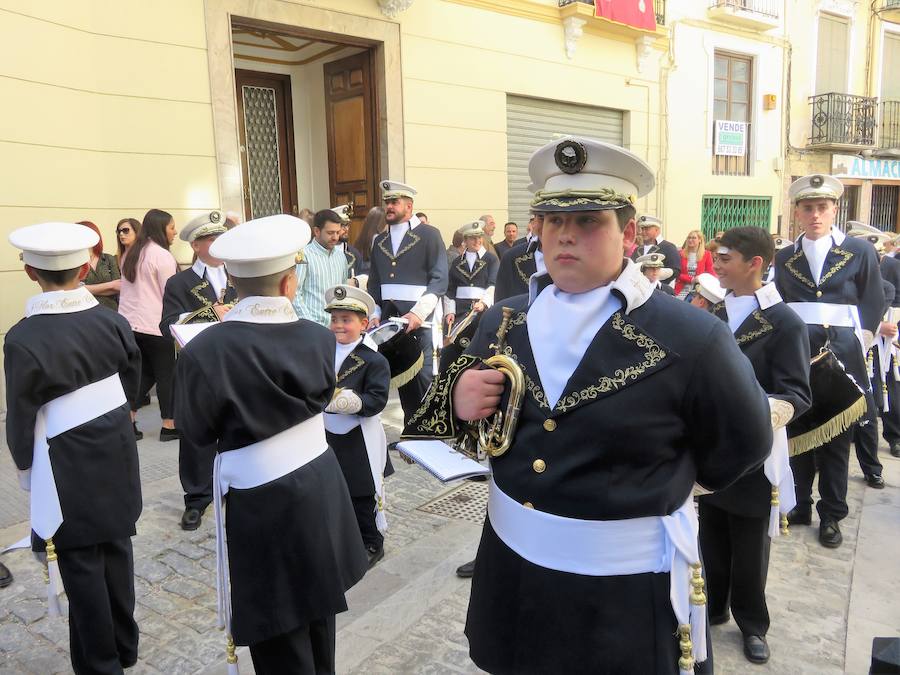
(408, 374)
(831, 429)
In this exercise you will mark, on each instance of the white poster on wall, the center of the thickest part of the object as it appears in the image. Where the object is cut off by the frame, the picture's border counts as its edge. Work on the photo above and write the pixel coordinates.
(731, 138)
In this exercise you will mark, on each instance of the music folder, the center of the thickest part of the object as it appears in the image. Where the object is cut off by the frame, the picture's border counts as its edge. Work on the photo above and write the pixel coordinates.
(442, 461)
(185, 332)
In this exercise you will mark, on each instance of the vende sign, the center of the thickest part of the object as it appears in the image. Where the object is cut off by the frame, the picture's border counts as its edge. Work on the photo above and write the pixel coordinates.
(853, 166)
(731, 138)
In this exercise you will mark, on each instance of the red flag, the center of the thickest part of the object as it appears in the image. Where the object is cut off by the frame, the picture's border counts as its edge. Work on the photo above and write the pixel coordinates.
(637, 13)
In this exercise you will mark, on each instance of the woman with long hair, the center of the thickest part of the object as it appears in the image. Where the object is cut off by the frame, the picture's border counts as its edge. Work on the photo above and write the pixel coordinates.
(373, 225)
(146, 267)
(102, 280)
(127, 231)
(695, 260)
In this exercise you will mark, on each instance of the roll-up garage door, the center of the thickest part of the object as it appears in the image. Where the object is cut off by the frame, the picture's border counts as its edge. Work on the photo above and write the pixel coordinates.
(533, 122)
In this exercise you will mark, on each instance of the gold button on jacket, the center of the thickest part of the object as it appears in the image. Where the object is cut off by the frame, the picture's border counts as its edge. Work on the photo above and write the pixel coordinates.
(528, 505)
(539, 466)
(549, 425)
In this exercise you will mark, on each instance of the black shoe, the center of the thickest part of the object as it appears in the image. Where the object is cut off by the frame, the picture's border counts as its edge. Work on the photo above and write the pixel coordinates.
(799, 517)
(830, 534)
(375, 554)
(6, 577)
(191, 518)
(466, 571)
(756, 649)
(168, 435)
(895, 449)
(719, 619)
(129, 663)
(138, 434)
(876, 482)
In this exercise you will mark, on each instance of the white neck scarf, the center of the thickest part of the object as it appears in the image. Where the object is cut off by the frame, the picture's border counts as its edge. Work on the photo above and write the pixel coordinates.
(738, 309)
(341, 352)
(60, 302)
(399, 230)
(262, 309)
(214, 275)
(471, 257)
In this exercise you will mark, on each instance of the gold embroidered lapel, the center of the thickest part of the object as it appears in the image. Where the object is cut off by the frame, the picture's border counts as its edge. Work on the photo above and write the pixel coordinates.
(750, 331)
(358, 363)
(836, 265)
(196, 291)
(463, 267)
(386, 249)
(518, 262)
(791, 266)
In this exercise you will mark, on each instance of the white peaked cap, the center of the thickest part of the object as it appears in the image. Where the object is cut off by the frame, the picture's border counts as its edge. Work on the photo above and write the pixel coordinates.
(54, 246)
(261, 246)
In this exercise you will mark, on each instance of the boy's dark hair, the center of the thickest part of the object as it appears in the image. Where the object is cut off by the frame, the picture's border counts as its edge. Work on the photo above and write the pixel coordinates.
(420, 214)
(750, 242)
(57, 277)
(325, 216)
(624, 214)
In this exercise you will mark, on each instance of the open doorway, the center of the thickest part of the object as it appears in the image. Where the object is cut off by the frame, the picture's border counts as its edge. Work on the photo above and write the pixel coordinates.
(307, 120)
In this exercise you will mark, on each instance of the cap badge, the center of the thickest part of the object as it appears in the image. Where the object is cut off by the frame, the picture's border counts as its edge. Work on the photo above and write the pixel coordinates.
(340, 293)
(816, 181)
(570, 156)
(385, 185)
(214, 217)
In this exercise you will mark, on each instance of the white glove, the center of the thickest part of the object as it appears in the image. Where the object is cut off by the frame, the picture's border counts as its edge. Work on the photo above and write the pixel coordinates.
(345, 402)
(868, 339)
(25, 479)
(781, 412)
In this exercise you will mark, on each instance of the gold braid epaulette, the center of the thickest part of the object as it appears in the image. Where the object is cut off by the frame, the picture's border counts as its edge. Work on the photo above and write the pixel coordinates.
(434, 419)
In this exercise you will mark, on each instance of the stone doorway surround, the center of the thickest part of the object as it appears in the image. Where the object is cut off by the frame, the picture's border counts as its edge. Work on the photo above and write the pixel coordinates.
(292, 19)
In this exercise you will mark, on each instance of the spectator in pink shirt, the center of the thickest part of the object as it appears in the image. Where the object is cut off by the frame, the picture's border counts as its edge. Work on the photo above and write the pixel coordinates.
(146, 266)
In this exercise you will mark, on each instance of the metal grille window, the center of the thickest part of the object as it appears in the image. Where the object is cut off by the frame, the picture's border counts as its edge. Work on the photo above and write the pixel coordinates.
(262, 151)
(847, 207)
(731, 101)
(883, 213)
(722, 212)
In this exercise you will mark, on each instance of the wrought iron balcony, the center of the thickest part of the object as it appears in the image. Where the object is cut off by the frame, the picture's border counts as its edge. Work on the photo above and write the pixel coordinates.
(841, 121)
(761, 15)
(659, 8)
(890, 125)
(888, 10)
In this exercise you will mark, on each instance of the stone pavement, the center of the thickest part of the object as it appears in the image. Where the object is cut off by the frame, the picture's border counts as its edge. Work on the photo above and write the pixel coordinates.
(407, 615)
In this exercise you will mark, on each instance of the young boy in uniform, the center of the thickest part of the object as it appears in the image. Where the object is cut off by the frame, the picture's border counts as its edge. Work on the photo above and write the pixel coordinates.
(352, 419)
(255, 386)
(72, 374)
(736, 523)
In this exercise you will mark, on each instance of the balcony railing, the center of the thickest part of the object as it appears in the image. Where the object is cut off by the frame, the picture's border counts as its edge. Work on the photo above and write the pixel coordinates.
(766, 7)
(889, 10)
(890, 125)
(659, 8)
(842, 120)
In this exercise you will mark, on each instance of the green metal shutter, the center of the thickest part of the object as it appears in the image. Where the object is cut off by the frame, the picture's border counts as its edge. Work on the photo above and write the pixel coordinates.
(722, 212)
(531, 123)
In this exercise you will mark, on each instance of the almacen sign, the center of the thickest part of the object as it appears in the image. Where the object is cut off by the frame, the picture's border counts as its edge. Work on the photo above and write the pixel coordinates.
(731, 138)
(854, 166)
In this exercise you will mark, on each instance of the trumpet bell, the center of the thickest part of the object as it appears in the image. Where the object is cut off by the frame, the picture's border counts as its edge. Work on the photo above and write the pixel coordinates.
(496, 432)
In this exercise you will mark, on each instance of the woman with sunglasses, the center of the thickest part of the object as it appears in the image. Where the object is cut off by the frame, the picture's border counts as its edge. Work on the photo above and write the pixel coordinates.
(127, 231)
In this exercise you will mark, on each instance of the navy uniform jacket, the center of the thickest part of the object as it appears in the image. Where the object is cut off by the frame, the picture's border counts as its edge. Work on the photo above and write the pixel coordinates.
(293, 543)
(668, 249)
(186, 292)
(355, 263)
(95, 466)
(649, 411)
(421, 260)
(482, 275)
(850, 276)
(776, 343)
(368, 374)
(890, 272)
(503, 247)
(516, 268)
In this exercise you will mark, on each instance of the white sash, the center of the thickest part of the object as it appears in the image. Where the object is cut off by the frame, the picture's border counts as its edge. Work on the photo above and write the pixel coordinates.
(654, 544)
(831, 314)
(376, 450)
(248, 467)
(470, 293)
(405, 292)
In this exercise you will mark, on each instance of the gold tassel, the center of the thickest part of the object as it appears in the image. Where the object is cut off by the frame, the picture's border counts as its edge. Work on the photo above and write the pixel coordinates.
(831, 429)
(698, 596)
(774, 501)
(686, 662)
(409, 374)
(784, 525)
(231, 656)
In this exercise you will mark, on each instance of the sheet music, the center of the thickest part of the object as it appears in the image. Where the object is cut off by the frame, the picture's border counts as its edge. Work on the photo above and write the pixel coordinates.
(442, 461)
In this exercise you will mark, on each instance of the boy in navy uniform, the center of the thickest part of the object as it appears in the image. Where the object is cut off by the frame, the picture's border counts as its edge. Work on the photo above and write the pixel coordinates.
(832, 281)
(407, 277)
(290, 548)
(651, 227)
(653, 267)
(352, 419)
(72, 372)
(590, 545)
(736, 523)
(203, 291)
(473, 275)
(517, 266)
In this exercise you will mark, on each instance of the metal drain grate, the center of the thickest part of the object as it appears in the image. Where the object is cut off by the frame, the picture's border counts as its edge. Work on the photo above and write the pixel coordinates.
(466, 502)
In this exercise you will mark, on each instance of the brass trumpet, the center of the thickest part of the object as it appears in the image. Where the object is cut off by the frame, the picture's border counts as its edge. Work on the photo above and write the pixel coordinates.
(496, 432)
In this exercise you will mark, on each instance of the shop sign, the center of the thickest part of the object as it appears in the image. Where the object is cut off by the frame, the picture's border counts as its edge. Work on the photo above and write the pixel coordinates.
(853, 166)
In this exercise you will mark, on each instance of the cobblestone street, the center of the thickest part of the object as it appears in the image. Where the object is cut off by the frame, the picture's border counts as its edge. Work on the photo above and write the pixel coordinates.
(408, 614)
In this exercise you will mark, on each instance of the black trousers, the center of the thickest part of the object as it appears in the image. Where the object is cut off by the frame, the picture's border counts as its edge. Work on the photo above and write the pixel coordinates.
(99, 583)
(195, 469)
(735, 565)
(308, 650)
(890, 420)
(865, 437)
(157, 367)
(412, 393)
(364, 507)
(832, 462)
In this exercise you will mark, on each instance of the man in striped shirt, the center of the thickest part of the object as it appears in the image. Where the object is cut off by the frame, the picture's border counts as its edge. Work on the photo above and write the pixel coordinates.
(323, 267)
